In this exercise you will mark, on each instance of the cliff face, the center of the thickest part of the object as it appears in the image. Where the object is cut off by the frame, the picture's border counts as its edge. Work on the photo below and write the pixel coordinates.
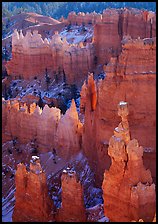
(72, 209)
(32, 200)
(128, 191)
(29, 123)
(117, 23)
(78, 61)
(47, 126)
(107, 40)
(32, 56)
(129, 77)
(84, 18)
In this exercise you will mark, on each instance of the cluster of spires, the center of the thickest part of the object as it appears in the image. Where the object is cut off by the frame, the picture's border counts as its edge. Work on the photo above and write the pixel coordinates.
(34, 39)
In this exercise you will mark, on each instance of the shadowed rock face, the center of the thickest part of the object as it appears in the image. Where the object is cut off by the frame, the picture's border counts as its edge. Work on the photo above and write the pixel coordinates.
(32, 200)
(72, 208)
(128, 191)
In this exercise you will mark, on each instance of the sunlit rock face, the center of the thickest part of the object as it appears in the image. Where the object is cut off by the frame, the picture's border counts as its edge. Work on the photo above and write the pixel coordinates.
(47, 127)
(72, 209)
(32, 200)
(129, 77)
(34, 57)
(117, 23)
(30, 122)
(68, 137)
(107, 40)
(84, 18)
(128, 191)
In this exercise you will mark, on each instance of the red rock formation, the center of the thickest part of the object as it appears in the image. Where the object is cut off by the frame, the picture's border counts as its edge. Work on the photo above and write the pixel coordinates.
(84, 18)
(78, 61)
(128, 191)
(92, 92)
(107, 40)
(154, 220)
(123, 82)
(83, 97)
(138, 23)
(88, 90)
(69, 133)
(117, 23)
(140, 53)
(32, 200)
(72, 209)
(31, 122)
(32, 56)
(47, 126)
(131, 21)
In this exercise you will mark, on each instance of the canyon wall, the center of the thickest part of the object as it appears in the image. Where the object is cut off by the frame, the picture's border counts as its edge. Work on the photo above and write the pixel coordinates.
(84, 18)
(73, 208)
(32, 56)
(128, 189)
(127, 22)
(117, 23)
(32, 199)
(47, 126)
(130, 77)
(107, 40)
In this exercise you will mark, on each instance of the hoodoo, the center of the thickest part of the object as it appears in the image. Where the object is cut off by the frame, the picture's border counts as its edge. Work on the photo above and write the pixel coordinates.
(63, 83)
(128, 189)
(32, 199)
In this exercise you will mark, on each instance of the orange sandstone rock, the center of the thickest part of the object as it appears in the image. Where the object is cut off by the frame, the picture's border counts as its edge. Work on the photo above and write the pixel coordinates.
(72, 209)
(69, 133)
(29, 122)
(117, 23)
(32, 56)
(32, 200)
(129, 77)
(128, 191)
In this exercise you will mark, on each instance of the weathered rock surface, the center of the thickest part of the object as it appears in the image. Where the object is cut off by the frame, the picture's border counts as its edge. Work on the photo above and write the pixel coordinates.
(30, 122)
(84, 18)
(32, 56)
(47, 126)
(68, 137)
(107, 40)
(129, 77)
(72, 209)
(32, 201)
(128, 191)
(117, 23)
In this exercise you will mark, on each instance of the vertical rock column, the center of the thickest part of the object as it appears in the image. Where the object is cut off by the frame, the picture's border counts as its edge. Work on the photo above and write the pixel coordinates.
(32, 200)
(72, 209)
(128, 191)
